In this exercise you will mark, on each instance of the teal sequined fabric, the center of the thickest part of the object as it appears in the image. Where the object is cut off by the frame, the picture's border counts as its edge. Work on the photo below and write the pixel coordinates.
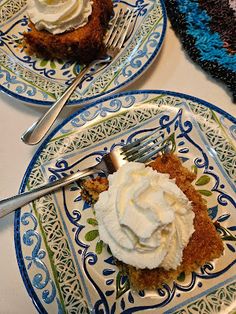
(207, 30)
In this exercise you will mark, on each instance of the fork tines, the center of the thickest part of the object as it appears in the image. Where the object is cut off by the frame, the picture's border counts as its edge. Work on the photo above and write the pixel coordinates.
(118, 31)
(144, 148)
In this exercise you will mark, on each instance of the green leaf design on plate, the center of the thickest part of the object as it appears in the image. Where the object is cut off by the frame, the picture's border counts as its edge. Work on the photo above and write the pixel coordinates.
(91, 235)
(205, 192)
(60, 61)
(194, 169)
(92, 221)
(43, 62)
(52, 64)
(171, 142)
(122, 284)
(99, 247)
(203, 180)
(181, 277)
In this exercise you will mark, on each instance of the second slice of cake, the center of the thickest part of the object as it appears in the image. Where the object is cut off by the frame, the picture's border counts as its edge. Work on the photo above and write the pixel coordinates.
(82, 44)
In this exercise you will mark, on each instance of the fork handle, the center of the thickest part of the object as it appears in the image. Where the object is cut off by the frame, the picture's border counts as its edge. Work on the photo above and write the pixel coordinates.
(10, 204)
(36, 132)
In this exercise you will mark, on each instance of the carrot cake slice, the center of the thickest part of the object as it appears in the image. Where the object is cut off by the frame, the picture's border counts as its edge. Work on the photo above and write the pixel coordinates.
(203, 244)
(67, 30)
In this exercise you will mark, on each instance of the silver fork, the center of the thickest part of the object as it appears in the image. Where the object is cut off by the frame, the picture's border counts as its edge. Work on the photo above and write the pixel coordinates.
(113, 42)
(141, 150)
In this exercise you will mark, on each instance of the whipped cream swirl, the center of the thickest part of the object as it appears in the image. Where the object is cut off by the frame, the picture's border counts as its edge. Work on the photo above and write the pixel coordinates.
(144, 217)
(58, 16)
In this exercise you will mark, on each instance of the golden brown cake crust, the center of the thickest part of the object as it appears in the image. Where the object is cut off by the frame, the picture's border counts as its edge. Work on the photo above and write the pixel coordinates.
(83, 44)
(205, 243)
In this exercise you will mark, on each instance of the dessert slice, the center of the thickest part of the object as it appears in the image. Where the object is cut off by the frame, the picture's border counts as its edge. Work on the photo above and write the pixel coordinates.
(83, 44)
(204, 243)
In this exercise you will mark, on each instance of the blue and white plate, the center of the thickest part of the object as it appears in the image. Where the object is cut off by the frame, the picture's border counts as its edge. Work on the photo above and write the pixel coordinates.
(64, 265)
(39, 81)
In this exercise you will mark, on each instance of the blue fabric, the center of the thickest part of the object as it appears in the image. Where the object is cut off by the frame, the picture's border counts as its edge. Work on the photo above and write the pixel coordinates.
(209, 44)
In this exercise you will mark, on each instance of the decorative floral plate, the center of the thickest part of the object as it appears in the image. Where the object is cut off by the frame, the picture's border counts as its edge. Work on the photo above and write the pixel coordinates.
(64, 265)
(41, 82)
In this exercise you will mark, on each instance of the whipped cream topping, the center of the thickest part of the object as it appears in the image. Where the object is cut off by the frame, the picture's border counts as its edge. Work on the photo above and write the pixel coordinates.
(58, 16)
(144, 217)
